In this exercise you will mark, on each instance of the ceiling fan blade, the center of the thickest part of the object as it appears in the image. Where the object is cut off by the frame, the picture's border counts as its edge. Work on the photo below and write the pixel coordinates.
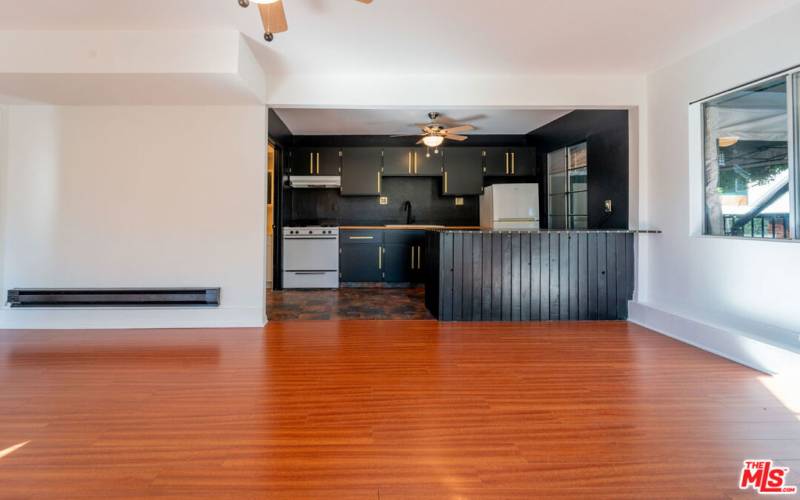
(364, 1)
(457, 130)
(458, 138)
(273, 16)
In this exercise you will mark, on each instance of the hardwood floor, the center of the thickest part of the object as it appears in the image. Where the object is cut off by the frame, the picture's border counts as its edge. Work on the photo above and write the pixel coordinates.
(375, 409)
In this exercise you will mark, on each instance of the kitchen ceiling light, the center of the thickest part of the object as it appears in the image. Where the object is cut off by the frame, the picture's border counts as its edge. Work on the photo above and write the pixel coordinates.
(433, 141)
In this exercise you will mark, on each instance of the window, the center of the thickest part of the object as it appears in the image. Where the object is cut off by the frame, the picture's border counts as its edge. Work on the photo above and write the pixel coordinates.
(749, 169)
(567, 172)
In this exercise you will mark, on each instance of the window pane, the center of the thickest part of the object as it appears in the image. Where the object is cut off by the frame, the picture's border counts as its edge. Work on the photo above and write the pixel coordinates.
(558, 183)
(557, 161)
(578, 222)
(746, 162)
(558, 205)
(578, 204)
(578, 180)
(577, 156)
(557, 222)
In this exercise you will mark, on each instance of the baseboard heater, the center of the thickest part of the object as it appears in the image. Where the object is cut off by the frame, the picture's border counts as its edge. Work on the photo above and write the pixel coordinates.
(114, 297)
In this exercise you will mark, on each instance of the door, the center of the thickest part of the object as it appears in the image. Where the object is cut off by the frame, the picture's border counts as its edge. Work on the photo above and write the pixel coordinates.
(361, 263)
(427, 166)
(463, 171)
(398, 263)
(302, 161)
(361, 172)
(398, 162)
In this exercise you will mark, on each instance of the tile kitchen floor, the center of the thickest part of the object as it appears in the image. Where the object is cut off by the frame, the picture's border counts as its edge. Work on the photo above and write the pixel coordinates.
(347, 303)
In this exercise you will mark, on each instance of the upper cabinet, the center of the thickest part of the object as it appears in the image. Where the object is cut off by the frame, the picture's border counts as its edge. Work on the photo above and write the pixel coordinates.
(315, 161)
(361, 171)
(400, 162)
(511, 162)
(463, 171)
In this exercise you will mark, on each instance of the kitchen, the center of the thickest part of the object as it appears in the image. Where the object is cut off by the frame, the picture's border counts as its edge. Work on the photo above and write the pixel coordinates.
(364, 214)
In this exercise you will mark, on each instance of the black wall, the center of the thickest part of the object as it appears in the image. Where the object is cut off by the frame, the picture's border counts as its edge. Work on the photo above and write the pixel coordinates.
(311, 206)
(606, 134)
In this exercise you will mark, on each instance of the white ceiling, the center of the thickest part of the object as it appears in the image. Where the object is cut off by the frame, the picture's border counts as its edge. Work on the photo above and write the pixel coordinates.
(478, 37)
(401, 121)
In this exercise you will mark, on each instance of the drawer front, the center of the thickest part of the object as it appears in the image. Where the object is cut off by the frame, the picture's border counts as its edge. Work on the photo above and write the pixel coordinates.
(361, 236)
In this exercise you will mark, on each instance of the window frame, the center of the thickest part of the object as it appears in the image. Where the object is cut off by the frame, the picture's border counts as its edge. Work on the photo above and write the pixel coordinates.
(697, 155)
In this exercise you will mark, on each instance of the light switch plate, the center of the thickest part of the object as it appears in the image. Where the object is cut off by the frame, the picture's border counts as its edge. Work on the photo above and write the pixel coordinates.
(459, 202)
(384, 200)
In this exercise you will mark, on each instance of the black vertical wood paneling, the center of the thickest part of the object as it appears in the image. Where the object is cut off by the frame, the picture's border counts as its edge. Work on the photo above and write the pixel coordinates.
(466, 288)
(525, 276)
(563, 275)
(583, 276)
(446, 309)
(458, 274)
(477, 273)
(544, 261)
(622, 282)
(591, 273)
(611, 275)
(536, 276)
(574, 257)
(602, 301)
(497, 277)
(555, 310)
(486, 306)
(529, 276)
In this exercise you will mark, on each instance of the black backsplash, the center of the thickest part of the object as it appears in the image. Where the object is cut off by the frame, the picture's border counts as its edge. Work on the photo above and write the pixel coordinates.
(326, 206)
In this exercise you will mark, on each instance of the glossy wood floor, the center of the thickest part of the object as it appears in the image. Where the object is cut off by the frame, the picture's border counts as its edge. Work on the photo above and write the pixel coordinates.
(372, 409)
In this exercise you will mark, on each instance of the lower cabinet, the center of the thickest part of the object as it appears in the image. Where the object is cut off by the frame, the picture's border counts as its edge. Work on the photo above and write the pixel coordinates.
(375, 256)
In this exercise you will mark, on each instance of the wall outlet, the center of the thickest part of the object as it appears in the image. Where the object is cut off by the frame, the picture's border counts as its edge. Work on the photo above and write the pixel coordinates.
(459, 202)
(608, 206)
(383, 200)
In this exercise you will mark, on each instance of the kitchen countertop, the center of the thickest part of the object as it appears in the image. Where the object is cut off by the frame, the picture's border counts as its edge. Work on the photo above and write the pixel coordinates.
(399, 227)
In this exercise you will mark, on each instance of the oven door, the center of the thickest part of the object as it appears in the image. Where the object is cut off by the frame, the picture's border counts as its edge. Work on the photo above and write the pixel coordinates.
(311, 253)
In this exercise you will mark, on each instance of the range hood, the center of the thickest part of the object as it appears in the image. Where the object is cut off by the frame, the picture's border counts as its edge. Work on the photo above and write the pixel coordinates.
(315, 181)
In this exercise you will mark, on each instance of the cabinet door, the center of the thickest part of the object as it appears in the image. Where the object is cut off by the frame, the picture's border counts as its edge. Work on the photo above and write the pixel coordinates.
(497, 162)
(397, 263)
(361, 263)
(303, 161)
(361, 172)
(328, 161)
(427, 167)
(523, 162)
(398, 162)
(417, 252)
(463, 172)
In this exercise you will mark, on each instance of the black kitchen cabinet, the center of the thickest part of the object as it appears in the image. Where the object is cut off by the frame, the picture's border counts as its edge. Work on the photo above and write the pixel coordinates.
(403, 256)
(463, 171)
(361, 172)
(509, 162)
(405, 162)
(361, 258)
(315, 161)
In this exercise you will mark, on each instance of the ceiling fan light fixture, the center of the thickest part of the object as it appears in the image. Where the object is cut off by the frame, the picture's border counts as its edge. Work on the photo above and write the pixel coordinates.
(433, 141)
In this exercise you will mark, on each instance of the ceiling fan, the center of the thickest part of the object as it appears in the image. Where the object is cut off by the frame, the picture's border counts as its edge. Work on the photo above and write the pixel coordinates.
(273, 16)
(434, 133)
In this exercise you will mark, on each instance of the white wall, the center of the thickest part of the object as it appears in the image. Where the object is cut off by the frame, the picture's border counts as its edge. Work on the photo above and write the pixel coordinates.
(744, 288)
(3, 163)
(137, 197)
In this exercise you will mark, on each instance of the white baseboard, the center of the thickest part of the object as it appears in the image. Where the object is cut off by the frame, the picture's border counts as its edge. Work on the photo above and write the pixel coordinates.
(126, 318)
(742, 347)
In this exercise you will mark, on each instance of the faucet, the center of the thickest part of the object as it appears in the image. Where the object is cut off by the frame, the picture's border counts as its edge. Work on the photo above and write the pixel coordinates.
(407, 208)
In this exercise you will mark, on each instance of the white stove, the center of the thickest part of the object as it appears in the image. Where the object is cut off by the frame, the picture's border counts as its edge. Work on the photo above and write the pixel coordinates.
(311, 257)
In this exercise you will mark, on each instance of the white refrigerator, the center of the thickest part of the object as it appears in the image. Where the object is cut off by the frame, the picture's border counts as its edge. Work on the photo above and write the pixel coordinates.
(510, 206)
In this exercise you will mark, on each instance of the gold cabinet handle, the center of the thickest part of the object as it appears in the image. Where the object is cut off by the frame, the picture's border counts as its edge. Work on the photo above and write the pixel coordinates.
(412, 257)
(317, 163)
(419, 257)
(506, 163)
(410, 154)
(380, 257)
(362, 237)
(416, 162)
(513, 163)
(311, 163)
(379, 183)
(445, 181)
